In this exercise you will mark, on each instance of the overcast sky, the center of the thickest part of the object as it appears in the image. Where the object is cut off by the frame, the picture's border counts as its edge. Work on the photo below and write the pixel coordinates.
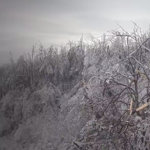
(26, 22)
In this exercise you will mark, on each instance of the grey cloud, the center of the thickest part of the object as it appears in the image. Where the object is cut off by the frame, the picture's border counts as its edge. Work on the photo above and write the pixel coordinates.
(23, 23)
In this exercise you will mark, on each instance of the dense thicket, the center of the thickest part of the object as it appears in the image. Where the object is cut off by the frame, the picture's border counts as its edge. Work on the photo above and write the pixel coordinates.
(113, 73)
(60, 67)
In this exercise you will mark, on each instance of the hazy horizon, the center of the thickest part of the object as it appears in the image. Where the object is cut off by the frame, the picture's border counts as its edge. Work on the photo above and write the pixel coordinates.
(23, 24)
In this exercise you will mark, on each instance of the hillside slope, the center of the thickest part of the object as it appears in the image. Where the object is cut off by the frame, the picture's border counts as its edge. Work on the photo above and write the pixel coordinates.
(90, 97)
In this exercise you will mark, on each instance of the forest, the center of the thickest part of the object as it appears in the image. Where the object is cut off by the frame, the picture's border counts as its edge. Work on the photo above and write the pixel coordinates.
(83, 96)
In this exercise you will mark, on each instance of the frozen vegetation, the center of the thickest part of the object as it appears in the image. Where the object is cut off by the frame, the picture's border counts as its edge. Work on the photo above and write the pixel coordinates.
(82, 97)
